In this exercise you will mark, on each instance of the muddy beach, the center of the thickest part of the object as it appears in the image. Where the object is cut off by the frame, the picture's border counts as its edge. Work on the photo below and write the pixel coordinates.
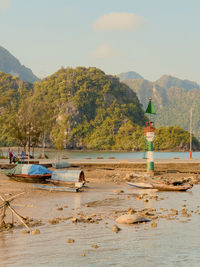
(81, 228)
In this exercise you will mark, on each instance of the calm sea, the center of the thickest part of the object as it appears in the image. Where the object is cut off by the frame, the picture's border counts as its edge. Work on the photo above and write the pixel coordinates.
(59, 154)
(118, 155)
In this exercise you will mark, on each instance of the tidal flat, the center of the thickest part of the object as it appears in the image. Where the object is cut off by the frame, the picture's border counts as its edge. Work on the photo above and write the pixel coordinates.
(79, 229)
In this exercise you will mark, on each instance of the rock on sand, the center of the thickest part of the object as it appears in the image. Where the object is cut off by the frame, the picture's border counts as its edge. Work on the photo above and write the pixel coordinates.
(130, 219)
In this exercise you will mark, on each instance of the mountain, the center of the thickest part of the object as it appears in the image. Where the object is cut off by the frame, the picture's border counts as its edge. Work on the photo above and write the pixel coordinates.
(88, 108)
(129, 75)
(172, 98)
(10, 64)
(81, 107)
(168, 81)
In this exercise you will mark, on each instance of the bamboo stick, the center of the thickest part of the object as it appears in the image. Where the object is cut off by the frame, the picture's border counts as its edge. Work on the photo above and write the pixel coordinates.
(10, 199)
(19, 217)
(16, 214)
(3, 216)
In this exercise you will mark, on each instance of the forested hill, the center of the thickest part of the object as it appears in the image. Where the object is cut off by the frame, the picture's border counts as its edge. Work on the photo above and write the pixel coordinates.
(12, 92)
(87, 107)
(173, 99)
(78, 108)
(10, 64)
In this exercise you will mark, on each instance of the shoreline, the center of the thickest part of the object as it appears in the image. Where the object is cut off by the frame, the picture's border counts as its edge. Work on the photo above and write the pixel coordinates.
(40, 149)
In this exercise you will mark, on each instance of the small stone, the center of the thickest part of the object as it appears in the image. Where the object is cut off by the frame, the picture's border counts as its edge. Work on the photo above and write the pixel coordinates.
(118, 191)
(115, 228)
(131, 211)
(54, 221)
(36, 232)
(175, 212)
(70, 240)
(74, 220)
(59, 208)
(24, 232)
(153, 224)
(95, 246)
(163, 216)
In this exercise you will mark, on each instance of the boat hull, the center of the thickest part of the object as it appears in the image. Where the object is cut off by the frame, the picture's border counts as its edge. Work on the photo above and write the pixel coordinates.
(57, 188)
(27, 178)
(162, 187)
(140, 185)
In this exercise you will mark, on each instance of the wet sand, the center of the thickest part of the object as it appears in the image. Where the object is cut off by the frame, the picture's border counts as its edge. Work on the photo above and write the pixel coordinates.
(96, 180)
(77, 229)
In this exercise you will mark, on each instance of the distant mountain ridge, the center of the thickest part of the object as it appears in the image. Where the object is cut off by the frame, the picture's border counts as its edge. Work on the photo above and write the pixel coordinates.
(169, 81)
(129, 75)
(173, 98)
(11, 65)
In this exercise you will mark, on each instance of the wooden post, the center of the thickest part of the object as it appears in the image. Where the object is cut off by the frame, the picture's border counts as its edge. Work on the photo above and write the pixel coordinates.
(191, 133)
(3, 215)
(6, 204)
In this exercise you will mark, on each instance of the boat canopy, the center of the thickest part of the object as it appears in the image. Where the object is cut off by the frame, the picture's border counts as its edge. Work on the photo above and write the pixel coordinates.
(68, 176)
(31, 169)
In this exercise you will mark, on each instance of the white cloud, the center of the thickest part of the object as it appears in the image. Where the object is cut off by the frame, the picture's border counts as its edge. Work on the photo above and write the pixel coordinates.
(105, 51)
(4, 4)
(119, 21)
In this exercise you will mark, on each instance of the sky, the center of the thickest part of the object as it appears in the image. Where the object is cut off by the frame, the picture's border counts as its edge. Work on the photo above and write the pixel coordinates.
(151, 37)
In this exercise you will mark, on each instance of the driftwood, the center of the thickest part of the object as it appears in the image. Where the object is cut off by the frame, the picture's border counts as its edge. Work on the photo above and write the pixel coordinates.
(4, 206)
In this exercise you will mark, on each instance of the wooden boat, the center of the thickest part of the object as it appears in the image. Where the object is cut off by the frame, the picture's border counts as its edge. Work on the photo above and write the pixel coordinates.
(166, 187)
(141, 185)
(69, 178)
(29, 173)
(57, 188)
(61, 164)
(30, 178)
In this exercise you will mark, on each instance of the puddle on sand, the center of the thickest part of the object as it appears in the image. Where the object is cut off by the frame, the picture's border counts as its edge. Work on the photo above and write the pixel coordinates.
(172, 243)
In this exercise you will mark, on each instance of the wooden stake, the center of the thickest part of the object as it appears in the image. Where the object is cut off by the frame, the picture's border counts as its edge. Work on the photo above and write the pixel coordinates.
(11, 199)
(19, 217)
(3, 212)
(7, 204)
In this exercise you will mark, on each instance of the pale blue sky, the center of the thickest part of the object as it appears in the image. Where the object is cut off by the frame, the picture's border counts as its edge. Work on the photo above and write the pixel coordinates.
(151, 37)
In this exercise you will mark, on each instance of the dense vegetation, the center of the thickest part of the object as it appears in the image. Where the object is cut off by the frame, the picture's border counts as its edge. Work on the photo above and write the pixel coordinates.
(9, 64)
(78, 108)
(173, 98)
(86, 107)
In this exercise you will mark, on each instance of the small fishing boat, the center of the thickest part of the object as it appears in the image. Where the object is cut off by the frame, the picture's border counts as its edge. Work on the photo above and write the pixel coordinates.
(65, 181)
(29, 173)
(140, 185)
(170, 187)
(61, 164)
(71, 178)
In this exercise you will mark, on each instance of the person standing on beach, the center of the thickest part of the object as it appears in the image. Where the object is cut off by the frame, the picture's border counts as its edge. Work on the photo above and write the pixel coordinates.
(10, 155)
(22, 157)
